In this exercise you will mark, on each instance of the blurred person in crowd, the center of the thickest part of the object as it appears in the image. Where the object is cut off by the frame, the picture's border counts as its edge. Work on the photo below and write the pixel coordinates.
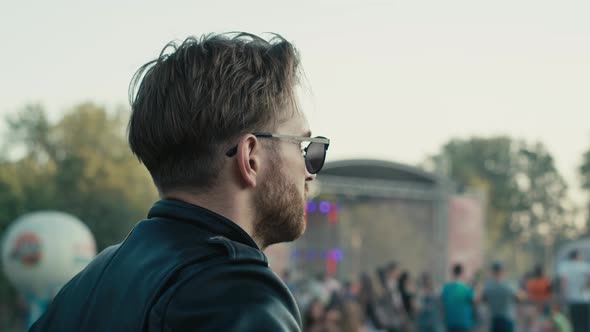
(538, 322)
(216, 122)
(549, 319)
(399, 318)
(367, 299)
(408, 297)
(500, 299)
(331, 284)
(353, 317)
(574, 276)
(306, 292)
(351, 289)
(428, 305)
(559, 321)
(387, 306)
(479, 311)
(333, 319)
(339, 315)
(381, 273)
(318, 287)
(345, 288)
(345, 313)
(391, 273)
(538, 286)
(314, 316)
(458, 300)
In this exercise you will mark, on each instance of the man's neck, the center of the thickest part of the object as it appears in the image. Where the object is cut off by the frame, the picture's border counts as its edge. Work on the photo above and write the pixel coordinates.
(223, 204)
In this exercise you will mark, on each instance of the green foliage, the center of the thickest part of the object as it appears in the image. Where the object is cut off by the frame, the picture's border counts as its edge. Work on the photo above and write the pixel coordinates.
(525, 192)
(81, 165)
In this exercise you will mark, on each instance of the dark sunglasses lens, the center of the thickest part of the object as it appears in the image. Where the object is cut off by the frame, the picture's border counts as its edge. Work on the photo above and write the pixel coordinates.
(314, 158)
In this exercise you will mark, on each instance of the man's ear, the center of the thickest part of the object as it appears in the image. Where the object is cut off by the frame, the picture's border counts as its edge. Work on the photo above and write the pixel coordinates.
(248, 157)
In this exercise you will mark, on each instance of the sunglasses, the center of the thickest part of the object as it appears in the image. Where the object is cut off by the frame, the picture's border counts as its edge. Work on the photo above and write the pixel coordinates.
(314, 153)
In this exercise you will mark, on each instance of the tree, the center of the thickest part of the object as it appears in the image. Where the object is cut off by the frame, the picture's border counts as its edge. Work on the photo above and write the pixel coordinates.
(98, 178)
(541, 214)
(525, 192)
(486, 165)
(29, 129)
(80, 165)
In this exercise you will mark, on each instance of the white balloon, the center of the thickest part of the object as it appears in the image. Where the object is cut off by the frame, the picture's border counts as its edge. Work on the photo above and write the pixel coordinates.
(41, 251)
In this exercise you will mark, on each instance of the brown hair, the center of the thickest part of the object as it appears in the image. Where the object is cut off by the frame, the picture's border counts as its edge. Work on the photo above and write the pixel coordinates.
(191, 102)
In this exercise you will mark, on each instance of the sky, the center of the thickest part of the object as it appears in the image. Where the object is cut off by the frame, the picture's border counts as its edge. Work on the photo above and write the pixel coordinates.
(390, 80)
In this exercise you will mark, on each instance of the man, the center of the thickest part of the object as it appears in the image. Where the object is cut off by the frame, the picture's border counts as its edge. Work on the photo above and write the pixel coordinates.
(216, 124)
(538, 286)
(388, 307)
(457, 301)
(574, 276)
(500, 298)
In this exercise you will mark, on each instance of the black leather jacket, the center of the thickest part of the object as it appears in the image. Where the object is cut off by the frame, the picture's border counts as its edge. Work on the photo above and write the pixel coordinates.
(184, 268)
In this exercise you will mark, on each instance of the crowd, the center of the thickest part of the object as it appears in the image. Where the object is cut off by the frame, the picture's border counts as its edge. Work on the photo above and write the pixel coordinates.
(393, 299)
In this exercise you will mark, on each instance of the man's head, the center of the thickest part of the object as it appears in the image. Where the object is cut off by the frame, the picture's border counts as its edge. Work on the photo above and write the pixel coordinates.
(392, 270)
(497, 269)
(574, 254)
(206, 114)
(457, 270)
(426, 281)
(199, 96)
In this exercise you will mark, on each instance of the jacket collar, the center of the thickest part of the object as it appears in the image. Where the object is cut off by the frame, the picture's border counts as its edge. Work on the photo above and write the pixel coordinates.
(202, 218)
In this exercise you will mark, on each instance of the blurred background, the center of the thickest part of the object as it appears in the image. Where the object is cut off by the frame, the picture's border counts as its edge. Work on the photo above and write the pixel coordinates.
(460, 130)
